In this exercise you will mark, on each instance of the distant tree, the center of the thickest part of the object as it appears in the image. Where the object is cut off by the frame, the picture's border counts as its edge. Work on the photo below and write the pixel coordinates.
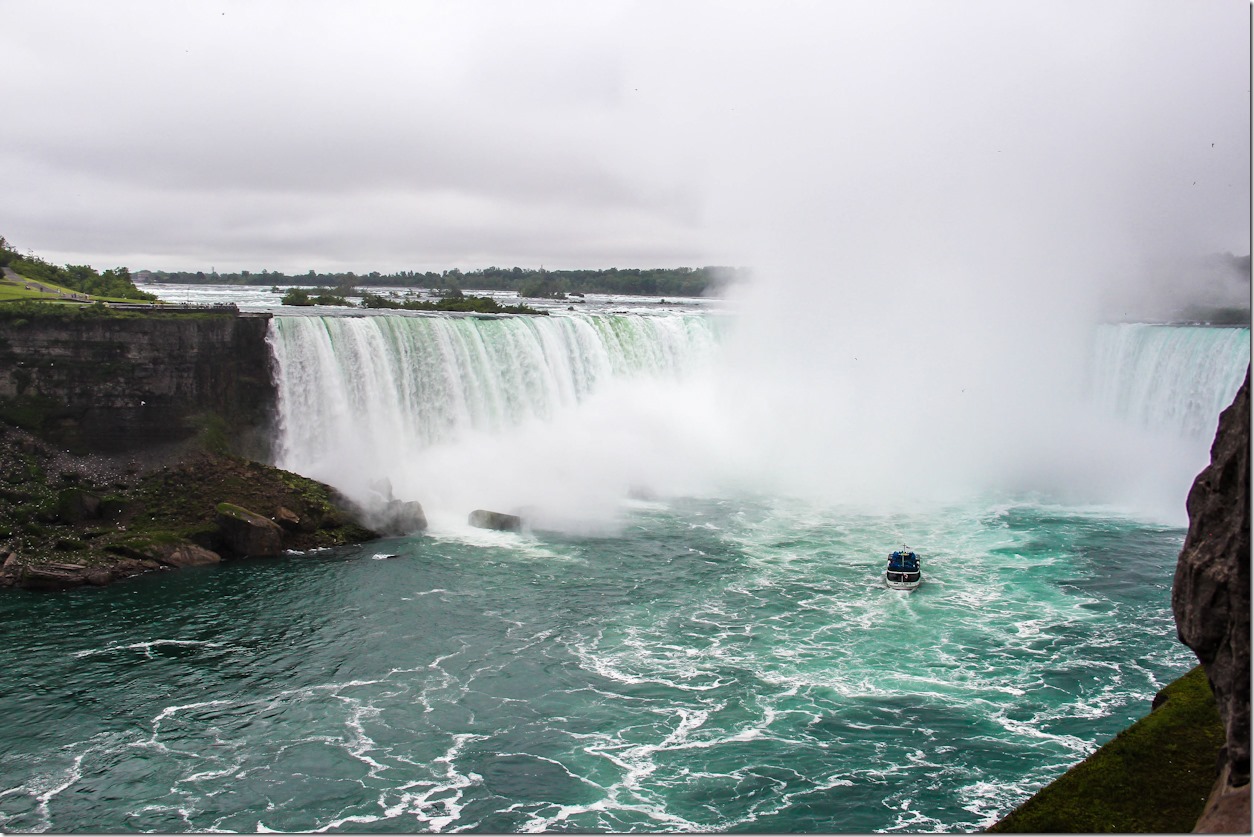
(546, 286)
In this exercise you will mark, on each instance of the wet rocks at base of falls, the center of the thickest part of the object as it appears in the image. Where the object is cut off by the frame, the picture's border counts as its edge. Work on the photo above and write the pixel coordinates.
(291, 521)
(501, 522)
(236, 533)
(247, 533)
(74, 505)
(61, 575)
(390, 516)
(189, 555)
(400, 517)
(69, 520)
(1211, 602)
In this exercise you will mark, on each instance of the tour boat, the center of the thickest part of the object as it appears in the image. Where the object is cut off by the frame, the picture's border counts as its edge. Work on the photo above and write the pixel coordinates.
(904, 572)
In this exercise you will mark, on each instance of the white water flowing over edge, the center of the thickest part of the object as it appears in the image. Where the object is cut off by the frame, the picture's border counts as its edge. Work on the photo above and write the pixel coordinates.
(1171, 379)
(565, 415)
(559, 412)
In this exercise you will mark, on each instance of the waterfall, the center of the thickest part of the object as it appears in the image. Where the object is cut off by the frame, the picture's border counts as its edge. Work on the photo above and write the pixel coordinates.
(364, 397)
(575, 411)
(1168, 379)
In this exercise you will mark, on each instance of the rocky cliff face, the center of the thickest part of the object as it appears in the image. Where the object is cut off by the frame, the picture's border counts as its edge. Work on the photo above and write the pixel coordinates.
(121, 383)
(1211, 594)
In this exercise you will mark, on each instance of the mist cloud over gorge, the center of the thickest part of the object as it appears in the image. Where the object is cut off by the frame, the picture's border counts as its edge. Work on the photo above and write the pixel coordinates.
(940, 206)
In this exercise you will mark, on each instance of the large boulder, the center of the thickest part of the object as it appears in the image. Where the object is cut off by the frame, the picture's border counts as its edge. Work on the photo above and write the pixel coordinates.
(500, 521)
(248, 533)
(1211, 594)
(52, 575)
(399, 517)
(291, 521)
(75, 505)
(188, 555)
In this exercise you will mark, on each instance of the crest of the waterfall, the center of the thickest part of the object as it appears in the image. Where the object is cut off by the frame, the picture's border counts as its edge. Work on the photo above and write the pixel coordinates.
(1173, 380)
(1156, 392)
(556, 417)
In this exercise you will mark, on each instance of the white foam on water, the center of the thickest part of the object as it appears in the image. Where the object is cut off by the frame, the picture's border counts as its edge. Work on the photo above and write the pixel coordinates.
(437, 804)
(148, 647)
(44, 788)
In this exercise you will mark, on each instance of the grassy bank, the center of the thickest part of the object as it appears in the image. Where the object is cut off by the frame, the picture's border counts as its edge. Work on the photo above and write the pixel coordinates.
(1154, 777)
(17, 289)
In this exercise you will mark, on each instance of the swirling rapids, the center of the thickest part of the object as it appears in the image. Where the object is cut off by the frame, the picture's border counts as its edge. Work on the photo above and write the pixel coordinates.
(725, 665)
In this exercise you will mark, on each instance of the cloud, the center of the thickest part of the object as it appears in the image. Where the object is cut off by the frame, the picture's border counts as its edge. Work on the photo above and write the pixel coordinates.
(428, 135)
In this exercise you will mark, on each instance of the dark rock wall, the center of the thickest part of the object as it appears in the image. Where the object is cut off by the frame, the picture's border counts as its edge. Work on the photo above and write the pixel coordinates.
(113, 384)
(1211, 594)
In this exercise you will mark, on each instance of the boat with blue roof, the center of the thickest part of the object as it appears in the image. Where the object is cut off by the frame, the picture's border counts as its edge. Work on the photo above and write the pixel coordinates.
(904, 571)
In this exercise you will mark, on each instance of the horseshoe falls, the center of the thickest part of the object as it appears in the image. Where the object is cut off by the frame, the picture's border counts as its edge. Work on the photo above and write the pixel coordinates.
(557, 415)
(680, 640)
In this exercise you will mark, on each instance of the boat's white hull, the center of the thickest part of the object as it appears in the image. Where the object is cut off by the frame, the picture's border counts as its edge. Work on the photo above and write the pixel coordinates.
(903, 585)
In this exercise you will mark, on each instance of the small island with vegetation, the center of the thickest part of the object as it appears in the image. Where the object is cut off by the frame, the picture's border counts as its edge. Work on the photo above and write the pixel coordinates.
(453, 301)
(449, 300)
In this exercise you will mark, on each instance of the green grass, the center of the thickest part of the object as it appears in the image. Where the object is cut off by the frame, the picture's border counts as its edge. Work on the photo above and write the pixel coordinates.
(1154, 777)
(15, 290)
(11, 291)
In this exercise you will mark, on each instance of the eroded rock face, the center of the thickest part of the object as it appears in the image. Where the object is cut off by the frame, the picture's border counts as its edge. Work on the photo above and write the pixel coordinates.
(1211, 594)
(120, 384)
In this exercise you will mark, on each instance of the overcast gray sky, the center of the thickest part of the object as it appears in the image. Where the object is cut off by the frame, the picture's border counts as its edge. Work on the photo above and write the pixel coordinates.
(429, 135)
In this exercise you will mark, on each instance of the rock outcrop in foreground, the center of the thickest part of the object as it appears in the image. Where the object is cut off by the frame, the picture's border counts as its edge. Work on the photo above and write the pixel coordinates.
(1211, 602)
(68, 520)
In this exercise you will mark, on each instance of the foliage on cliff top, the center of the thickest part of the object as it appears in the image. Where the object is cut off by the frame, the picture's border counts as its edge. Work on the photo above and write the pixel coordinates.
(21, 311)
(1153, 777)
(114, 283)
(29, 309)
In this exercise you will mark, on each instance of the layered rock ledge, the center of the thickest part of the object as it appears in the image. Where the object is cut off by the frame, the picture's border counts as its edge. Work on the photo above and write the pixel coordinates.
(110, 381)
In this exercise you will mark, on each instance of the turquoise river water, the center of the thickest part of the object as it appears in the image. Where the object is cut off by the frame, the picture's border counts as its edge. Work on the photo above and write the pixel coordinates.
(702, 660)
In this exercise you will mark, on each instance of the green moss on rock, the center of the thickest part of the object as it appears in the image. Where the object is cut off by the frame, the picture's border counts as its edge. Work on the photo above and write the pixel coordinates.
(122, 519)
(1154, 777)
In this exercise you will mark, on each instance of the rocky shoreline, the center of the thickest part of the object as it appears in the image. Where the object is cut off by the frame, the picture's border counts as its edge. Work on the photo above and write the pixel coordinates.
(69, 520)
